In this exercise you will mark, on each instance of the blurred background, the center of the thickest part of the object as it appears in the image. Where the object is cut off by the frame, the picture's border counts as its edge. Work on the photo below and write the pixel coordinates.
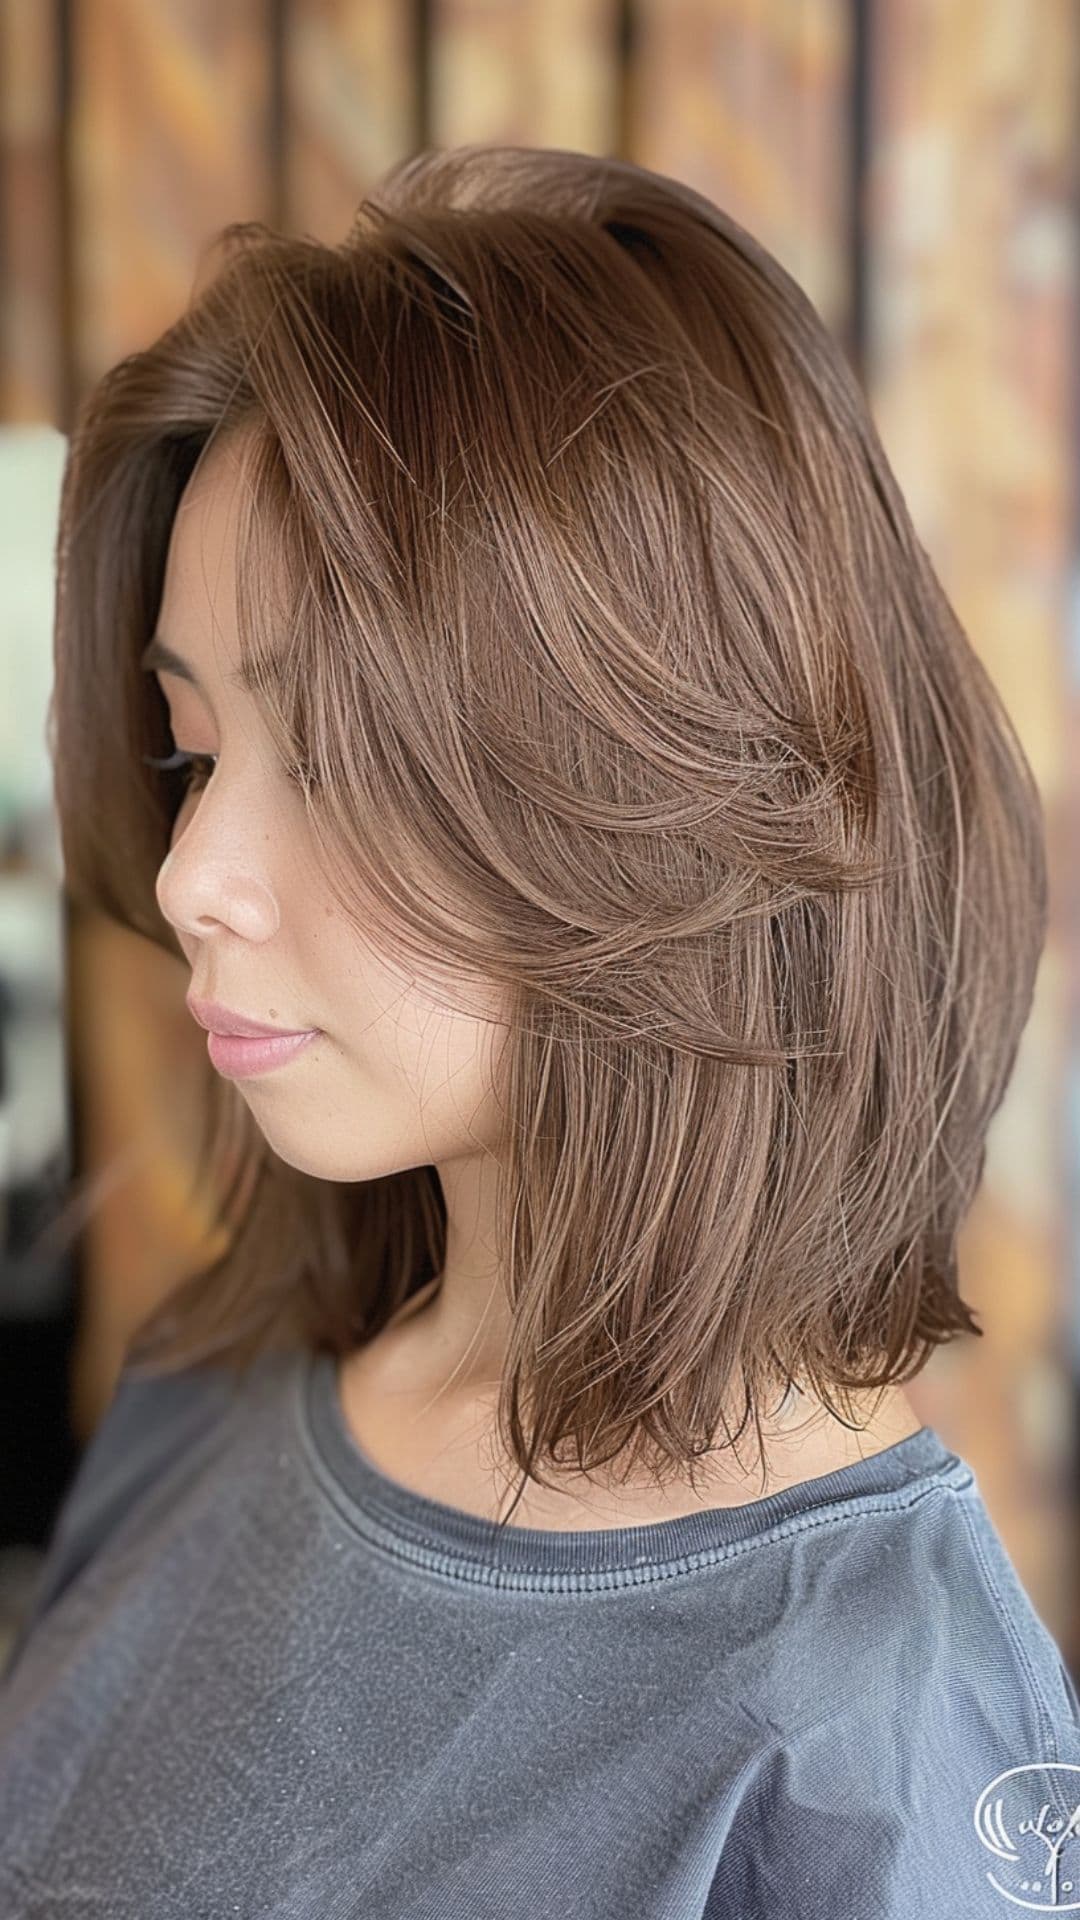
(914, 164)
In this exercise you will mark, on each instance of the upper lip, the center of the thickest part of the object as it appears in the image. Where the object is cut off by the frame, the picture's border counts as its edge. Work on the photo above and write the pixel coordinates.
(218, 1019)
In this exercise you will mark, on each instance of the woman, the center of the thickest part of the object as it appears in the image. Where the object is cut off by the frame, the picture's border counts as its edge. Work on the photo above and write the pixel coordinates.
(494, 656)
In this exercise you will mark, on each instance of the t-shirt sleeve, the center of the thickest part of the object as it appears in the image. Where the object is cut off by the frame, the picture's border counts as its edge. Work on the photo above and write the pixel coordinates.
(149, 1421)
(967, 1805)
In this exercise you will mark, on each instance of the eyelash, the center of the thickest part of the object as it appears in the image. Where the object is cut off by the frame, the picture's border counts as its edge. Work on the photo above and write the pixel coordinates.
(180, 762)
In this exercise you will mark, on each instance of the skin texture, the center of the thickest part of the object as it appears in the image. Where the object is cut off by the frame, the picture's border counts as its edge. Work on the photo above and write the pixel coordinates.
(396, 1079)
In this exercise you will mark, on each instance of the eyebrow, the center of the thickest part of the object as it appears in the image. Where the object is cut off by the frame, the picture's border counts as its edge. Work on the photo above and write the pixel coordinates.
(156, 657)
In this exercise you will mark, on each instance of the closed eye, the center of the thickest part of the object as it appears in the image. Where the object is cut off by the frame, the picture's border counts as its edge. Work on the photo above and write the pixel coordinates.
(179, 762)
(299, 772)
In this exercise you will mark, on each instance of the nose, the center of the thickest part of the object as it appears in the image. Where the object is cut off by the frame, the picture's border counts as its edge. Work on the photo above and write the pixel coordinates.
(199, 892)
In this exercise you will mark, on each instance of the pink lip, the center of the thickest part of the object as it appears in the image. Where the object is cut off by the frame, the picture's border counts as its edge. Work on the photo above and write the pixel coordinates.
(219, 1019)
(238, 1056)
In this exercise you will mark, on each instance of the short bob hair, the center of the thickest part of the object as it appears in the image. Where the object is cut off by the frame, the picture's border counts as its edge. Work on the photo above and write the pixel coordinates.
(615, 675)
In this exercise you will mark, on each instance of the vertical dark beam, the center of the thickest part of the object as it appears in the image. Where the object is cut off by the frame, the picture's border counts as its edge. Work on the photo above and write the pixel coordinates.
(67, 318)
(860, 134)
(625, 58)
(422, 36)
(277, 110)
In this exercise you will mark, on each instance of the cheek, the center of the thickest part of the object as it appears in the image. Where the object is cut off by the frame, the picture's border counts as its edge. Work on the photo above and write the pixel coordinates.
(181, 817)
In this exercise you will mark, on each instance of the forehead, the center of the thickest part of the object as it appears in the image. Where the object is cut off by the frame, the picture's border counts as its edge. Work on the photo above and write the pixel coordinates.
(201, 561)
(197, 615)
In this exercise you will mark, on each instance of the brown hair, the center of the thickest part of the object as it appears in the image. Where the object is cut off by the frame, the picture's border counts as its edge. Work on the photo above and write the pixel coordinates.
(604, 605)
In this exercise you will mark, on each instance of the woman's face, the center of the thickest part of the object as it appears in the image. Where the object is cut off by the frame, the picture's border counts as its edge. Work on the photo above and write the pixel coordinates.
(394, 1078)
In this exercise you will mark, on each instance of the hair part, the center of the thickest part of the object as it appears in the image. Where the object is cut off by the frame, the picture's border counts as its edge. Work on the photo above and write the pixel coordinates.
(623, 682)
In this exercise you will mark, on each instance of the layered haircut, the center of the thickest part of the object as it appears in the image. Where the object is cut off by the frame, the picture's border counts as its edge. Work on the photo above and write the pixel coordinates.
(581, 598)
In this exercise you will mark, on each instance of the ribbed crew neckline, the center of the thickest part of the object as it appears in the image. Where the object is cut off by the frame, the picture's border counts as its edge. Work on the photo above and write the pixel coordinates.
(449, 1540)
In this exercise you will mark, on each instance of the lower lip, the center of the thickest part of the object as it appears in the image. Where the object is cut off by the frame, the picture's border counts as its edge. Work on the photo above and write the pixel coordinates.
(238, 1056)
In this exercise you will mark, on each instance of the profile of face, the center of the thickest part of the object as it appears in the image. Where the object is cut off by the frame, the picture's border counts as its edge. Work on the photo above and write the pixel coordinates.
(396, 1077)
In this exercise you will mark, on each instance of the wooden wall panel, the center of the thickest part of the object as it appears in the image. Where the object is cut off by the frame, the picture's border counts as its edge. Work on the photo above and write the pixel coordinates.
(170, 140)
(972, 340)
(360, 89)
(352, 107)
(750, 104)
(540, 72)
(33, 298)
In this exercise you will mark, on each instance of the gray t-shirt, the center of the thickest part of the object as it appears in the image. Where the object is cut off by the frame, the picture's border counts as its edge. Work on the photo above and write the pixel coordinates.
(263, 1679)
